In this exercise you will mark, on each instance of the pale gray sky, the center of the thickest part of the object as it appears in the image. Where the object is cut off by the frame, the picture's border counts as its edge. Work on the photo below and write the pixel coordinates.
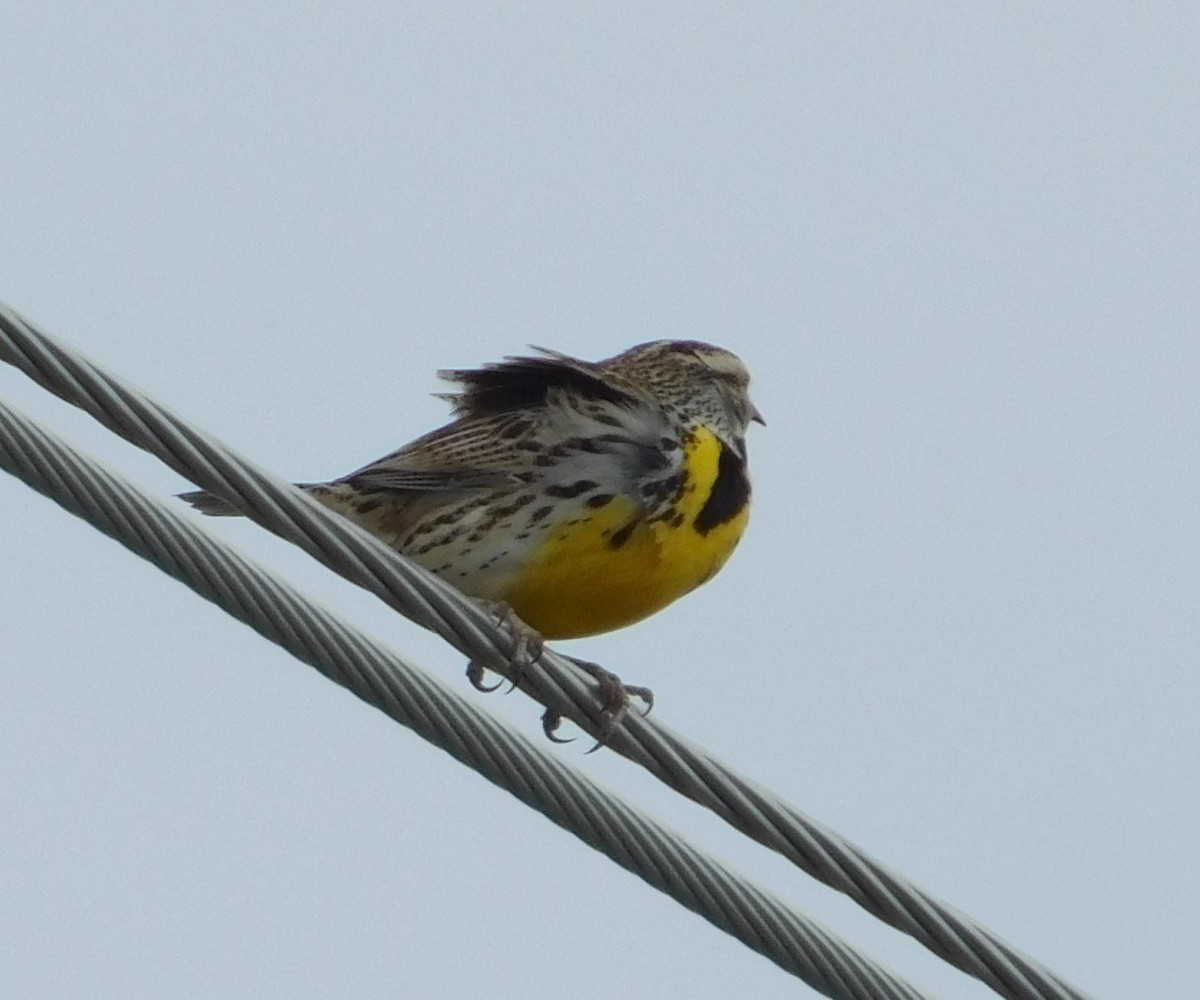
(957, 247)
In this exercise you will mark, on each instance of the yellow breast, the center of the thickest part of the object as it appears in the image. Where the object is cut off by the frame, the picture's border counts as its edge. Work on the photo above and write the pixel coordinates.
(595, 574)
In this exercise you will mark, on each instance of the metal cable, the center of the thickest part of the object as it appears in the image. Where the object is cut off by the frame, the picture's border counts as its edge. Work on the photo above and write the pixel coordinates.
(552, 680)
(382, 678)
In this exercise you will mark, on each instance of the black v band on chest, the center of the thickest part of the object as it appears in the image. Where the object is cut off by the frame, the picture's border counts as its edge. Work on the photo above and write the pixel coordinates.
(730, 492)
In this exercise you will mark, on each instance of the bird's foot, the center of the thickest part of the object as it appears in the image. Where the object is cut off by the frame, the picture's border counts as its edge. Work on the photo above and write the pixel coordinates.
(527, 647)
(615, 698)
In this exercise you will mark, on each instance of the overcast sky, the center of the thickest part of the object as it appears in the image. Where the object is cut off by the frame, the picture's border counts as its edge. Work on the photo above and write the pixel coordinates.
(959, 250)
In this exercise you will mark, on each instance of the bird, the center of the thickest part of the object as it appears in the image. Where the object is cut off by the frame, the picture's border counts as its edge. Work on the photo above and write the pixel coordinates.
(582, 495)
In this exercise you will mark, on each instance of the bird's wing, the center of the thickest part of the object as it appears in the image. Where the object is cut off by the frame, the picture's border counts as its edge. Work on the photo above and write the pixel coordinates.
(518, 383)
(467, 454)
(523, 420)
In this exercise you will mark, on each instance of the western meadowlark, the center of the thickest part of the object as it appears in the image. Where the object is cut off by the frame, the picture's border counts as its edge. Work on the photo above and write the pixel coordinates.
(583, 495)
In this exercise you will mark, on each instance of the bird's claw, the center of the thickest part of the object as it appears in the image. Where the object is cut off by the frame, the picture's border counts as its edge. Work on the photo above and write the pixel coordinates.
(550, 722)
(527, 647)
(615, 698)
(475, 671)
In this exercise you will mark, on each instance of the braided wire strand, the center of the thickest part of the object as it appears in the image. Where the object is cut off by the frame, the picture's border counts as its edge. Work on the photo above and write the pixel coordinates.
(383, 679)
(552, 680)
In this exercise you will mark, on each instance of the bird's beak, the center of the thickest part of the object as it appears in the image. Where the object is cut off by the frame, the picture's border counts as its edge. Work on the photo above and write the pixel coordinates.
(756, 416)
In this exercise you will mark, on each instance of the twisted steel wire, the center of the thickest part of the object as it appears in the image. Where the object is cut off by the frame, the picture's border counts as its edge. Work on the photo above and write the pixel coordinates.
(552, 679)
(382, 678)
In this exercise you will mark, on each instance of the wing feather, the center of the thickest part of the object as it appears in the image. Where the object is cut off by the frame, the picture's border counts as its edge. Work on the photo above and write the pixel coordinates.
(516, 416)
(521, 382)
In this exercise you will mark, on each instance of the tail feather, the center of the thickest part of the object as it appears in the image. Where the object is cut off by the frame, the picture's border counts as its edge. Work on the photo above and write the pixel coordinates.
(210, 503)
(214, 506)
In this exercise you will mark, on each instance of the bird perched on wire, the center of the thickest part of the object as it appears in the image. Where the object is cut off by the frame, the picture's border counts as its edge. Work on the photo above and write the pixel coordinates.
(583, 495)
